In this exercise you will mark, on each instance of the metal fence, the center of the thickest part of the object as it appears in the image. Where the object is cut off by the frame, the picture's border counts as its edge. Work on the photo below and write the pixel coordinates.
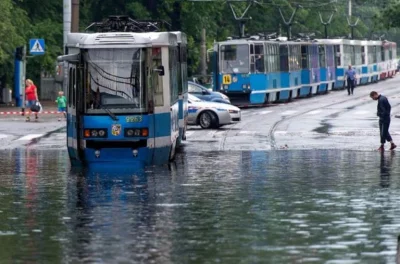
(49, 88)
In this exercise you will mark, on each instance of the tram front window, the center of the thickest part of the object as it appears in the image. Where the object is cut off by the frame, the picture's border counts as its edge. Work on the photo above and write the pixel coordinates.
(115, 80)
(235, 58)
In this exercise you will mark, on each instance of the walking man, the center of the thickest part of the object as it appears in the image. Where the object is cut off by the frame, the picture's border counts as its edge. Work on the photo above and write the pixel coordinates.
(384, 119)
(350, 73)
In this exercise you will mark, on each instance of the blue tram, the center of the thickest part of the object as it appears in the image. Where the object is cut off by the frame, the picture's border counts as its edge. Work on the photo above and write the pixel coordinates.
(126, 94)
(254, 71)
(310, 74)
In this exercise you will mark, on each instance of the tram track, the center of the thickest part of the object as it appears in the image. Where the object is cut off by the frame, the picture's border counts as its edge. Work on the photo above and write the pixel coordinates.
(271, 134)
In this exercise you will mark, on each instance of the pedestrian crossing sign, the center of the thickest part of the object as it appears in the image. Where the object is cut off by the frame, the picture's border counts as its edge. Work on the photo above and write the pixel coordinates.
(36, 46)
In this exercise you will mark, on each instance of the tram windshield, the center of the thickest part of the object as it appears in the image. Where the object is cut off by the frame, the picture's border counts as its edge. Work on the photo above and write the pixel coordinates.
(115, 79)
(235, 58)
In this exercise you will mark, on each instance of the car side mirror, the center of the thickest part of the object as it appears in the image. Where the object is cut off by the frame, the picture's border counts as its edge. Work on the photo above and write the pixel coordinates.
(204, 92)
(160, 70)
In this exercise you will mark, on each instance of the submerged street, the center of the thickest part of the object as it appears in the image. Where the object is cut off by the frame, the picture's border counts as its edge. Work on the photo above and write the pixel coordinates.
(291, 183)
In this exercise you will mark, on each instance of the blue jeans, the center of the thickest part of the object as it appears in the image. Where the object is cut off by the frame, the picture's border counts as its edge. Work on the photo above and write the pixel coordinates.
(30, 103)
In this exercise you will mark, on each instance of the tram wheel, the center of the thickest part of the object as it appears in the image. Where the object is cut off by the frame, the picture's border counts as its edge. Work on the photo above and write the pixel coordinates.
(207, 120)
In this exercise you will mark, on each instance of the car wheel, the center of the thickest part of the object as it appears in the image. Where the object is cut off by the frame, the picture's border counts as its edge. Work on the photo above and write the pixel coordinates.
(207, 120)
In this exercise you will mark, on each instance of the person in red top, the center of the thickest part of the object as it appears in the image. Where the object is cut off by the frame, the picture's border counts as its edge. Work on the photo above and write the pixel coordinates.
(31, 96)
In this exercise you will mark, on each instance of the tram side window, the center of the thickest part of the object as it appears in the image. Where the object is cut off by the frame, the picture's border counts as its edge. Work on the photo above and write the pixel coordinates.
(337, 55)
(370, 54)
(353, 54)
(357, 55)
(294, 57)
(378, 54)
(362, 54)
(346, 55)
(382, 54)
(275, 49)
(173, 73)
(283, 54)
(304, 57)
(373, 54)
(330, 56)
(322, 58)
(272, 58)
(70, 87)
(259, 58)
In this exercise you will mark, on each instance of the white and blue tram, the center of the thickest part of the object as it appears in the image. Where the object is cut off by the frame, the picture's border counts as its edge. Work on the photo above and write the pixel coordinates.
(124, 97)
(254, 72)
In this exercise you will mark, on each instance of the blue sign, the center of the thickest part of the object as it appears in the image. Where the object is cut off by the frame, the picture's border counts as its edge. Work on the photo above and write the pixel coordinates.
(36, 46)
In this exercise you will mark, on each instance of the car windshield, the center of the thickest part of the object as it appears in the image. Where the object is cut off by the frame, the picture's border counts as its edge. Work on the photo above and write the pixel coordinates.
(115, 78)
(235, 58)
(193, 98)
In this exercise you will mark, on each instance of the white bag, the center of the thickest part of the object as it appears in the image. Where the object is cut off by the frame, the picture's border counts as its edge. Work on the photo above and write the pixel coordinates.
(41, 108)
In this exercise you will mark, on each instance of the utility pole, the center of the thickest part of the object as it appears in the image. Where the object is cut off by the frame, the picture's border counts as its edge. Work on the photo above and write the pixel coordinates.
(75, 16)
(203, 52)
(349, 8)
(351, 25)
(67, 22)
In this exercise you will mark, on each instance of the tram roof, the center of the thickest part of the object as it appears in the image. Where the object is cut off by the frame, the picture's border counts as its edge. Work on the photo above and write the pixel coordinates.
(181, 36)
(120, 39)
(245, 41)
(340, 41)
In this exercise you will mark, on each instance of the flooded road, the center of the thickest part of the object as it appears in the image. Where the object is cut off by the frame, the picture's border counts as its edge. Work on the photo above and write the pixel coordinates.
(290, 206)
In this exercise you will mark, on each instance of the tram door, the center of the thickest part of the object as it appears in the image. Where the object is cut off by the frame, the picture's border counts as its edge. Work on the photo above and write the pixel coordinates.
(72, 128)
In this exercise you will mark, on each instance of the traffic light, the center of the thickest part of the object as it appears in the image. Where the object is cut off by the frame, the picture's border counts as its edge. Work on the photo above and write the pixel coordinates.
(19, 53)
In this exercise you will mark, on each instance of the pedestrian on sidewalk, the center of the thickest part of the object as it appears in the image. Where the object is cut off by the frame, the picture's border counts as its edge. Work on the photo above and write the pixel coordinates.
(31, 97)
(384, 109)
(62, 104)
(350, 73)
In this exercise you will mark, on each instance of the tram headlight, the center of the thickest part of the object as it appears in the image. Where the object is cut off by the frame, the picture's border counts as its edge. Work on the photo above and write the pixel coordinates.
(226, 87)
(97, 153)
(95, 133)
(244, 86)
(102, 133)
(136, 132)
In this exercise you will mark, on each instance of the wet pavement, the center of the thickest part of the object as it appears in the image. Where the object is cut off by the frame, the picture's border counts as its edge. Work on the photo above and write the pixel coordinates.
(299, 206)
(290, 183)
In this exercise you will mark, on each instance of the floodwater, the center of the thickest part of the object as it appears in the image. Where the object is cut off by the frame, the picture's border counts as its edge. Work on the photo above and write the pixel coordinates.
(227, 207)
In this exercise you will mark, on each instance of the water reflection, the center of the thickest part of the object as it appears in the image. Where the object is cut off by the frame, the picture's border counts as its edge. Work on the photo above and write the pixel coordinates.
(228, 207)
(116, 216)
(385, 168)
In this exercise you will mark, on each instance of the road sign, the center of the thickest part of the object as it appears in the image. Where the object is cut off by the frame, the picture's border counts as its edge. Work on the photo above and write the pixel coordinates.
(36, 46)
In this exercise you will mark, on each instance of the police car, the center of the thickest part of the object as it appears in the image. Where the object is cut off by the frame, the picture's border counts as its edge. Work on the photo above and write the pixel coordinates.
(211, 114)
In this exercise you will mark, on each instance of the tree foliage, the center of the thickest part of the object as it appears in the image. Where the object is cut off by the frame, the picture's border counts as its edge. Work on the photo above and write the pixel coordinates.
(23, 20)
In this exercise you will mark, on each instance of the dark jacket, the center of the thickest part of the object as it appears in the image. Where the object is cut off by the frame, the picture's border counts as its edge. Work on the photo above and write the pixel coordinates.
(383, 108)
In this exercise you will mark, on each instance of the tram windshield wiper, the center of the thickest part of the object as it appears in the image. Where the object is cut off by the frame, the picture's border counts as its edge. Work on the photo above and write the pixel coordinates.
(108, 111)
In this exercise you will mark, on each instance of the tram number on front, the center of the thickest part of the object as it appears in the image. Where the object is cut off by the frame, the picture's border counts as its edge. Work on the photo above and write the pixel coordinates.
(133, 119)
(226, 79)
